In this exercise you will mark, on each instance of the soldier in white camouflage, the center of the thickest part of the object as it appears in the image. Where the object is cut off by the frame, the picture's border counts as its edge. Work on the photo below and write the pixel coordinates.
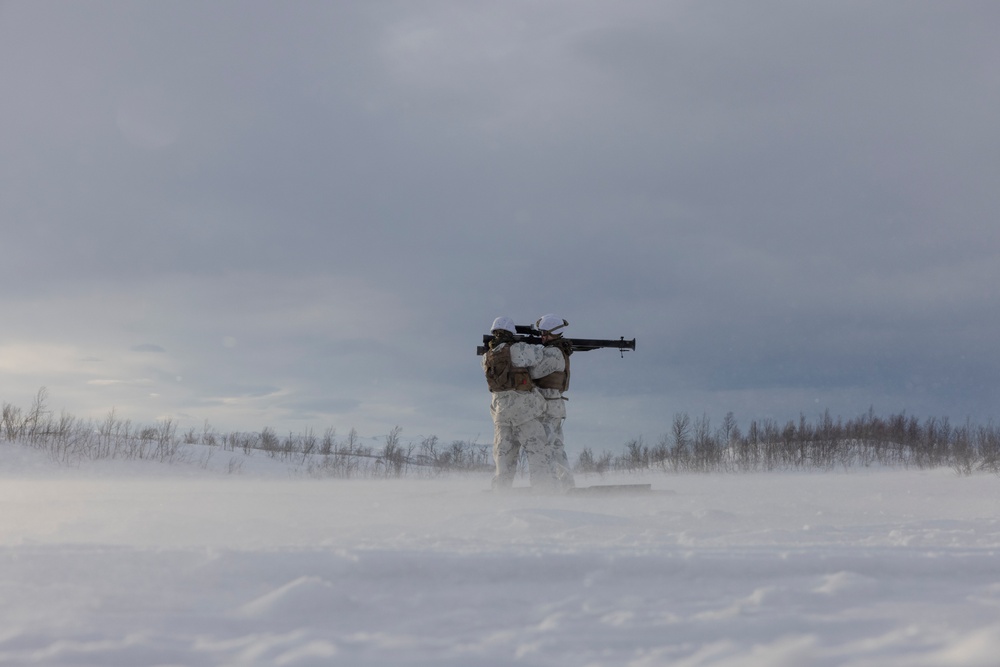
(551, 376)
(516, 406)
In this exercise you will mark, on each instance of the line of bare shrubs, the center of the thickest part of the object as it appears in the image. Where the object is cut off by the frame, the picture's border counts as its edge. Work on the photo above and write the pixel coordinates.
(690, 446)
(865, 441)
(328, 456)
(69, 440)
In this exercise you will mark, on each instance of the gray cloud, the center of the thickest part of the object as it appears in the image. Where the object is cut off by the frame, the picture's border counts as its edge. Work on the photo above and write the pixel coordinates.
(148, 347)
(791, 207)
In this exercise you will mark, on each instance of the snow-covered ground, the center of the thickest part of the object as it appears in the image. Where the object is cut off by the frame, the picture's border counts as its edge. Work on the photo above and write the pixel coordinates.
(116, 564)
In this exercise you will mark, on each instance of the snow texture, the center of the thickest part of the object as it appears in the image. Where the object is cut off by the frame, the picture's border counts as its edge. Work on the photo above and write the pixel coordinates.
(118, 564)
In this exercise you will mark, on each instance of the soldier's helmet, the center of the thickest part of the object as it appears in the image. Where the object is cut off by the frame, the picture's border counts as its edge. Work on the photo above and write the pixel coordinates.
(550, 324)
(503, 323)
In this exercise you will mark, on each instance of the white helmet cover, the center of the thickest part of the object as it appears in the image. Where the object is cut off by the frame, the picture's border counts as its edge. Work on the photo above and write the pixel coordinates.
(550, 323)
(503, 323)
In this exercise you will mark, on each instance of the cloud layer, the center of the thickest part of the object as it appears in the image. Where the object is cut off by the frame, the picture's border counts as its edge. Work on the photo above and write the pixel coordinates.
(306, 215)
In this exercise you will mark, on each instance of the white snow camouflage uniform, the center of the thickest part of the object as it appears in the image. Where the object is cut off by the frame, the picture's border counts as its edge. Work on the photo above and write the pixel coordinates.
(554, 361)
(517, 424)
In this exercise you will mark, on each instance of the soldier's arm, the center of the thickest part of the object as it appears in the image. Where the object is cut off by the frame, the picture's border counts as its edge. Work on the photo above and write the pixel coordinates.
(526, 355)
(552, 362)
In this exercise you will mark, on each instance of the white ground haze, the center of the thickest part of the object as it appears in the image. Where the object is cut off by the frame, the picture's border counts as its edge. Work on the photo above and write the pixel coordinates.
(124, 564)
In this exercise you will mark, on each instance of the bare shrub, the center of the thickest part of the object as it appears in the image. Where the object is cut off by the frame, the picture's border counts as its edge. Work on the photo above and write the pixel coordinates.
(13, 422)
(394, 457)
(269, 442)
(328, 441)
(585, 461)
(635, 457)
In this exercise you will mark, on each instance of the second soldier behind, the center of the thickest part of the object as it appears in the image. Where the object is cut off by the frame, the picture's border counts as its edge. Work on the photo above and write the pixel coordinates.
(551, 376)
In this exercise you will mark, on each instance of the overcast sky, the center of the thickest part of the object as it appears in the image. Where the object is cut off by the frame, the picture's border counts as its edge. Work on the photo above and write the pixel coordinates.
(304, 215)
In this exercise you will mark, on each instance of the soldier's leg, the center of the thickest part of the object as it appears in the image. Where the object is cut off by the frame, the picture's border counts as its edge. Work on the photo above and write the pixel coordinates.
(540, 462)
(554, 431)
(505, 453)
(558, 461)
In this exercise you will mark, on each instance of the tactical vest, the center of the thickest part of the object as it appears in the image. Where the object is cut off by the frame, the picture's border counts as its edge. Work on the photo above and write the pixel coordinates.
(503, 375)
(558, 380)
